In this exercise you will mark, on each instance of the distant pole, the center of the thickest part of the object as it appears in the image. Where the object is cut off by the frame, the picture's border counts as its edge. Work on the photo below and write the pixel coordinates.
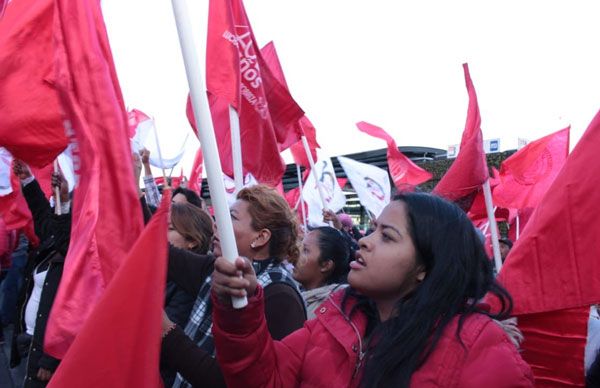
(487, 192)
(236, 149)
(301, 198)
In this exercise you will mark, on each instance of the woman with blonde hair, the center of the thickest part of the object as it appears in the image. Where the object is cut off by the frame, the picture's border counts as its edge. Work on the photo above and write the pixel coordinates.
(266, 233)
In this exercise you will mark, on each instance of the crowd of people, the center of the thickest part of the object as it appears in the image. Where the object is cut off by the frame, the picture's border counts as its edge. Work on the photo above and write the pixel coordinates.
(400, 306)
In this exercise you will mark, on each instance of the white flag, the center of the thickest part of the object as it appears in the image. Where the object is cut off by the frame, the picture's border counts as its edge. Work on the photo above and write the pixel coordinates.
(371, 183)
(249, 180)
(144, 138)
(334, 197)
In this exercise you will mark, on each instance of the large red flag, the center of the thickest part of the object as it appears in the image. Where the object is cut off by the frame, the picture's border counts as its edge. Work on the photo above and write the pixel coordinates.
(527, 174)
(303, 126)
(106, 211)
(404, 172)
(30, 122)
(554, 265)
(119, 344)
(469, 171)
(265, 108)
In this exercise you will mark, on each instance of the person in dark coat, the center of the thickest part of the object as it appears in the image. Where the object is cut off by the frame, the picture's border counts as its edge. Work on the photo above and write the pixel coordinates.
(43, 273)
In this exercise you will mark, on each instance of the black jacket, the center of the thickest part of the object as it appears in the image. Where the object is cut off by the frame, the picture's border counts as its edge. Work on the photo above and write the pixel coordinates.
(54, 234)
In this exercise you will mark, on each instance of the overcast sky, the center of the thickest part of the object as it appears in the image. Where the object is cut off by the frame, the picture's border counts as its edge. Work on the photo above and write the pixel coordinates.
(393, 63)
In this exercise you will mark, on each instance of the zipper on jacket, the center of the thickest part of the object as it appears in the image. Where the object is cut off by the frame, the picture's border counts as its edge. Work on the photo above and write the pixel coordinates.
(361, 352)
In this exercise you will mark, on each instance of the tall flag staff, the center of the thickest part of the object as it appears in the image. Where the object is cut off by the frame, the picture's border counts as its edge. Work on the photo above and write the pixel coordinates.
(236, 149)
(193, 68)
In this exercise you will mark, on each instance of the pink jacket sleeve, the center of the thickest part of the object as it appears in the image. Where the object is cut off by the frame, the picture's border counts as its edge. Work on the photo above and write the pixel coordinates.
(247, 354)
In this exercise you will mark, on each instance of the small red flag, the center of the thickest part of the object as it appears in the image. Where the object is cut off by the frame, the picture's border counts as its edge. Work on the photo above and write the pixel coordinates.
(106, 210)
(526, 175)
(195, 182)
(469, 171)
(30, 124)
(127, 354)
(404, 172)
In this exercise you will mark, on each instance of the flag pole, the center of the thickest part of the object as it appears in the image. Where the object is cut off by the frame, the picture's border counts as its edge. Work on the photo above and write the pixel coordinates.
(195, 70)
(487, 192)
(236, 149)
(57, 209)
(518, 227)
(162, 165)
(313, 171)
(301, 198)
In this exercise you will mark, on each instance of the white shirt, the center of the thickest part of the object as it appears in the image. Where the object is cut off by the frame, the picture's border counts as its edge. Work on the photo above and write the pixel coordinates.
(33, 303)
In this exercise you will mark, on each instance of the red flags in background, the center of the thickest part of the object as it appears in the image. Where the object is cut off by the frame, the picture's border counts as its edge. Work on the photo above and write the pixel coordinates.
(106, 211)
(30, 124)
(554, 267)
(403, 171)
(526, 175)
(469, 171)
(303, 126)
(133, 327)
(266, 109)
(195, 182)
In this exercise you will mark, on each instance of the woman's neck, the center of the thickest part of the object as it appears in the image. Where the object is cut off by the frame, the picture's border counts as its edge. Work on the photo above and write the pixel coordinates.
(385, 308)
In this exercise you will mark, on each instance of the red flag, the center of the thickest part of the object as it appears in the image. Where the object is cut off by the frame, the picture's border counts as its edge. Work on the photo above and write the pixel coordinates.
(528, 173)
(30, 124)
(134, 118)
(554, 346)
(265, 108)
(106, 210)
(403, 171)
(195, 183)
(303, 126)
(554, 265)
(119, 344)
(469, 171)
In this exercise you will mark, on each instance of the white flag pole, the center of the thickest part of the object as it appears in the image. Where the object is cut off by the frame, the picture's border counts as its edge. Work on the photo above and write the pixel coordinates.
(313, 171)
(487, 192)
(236, 149)
(194, 71)
(57, 209)
(517, 232)
(301, 198)
(162, 164)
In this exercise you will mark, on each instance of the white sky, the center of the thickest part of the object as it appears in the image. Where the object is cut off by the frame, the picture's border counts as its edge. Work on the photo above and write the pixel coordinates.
(396, 64)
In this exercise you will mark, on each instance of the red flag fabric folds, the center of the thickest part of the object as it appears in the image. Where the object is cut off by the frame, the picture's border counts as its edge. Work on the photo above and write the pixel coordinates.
(526, 175)
(30, 123)
(265, 108)
(469, 171)
(303, 126)
(554, 346)
(106, 210)
(119, 344)
(404, 172)
(554, 265)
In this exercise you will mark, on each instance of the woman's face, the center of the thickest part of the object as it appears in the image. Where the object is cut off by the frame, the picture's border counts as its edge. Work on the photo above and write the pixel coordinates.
(175, 238)
(386, 266)
(308, 270)
(245, 235)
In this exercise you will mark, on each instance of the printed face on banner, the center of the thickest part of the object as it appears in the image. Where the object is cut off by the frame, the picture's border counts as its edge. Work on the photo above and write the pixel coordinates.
(375, 188)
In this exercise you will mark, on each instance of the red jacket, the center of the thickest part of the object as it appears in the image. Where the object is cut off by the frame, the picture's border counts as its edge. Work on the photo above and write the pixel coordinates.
(326, 352)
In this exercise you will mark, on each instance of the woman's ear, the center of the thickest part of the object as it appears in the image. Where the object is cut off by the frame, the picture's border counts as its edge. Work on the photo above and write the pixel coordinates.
(263, 238)
(421, 273)
(326, 266)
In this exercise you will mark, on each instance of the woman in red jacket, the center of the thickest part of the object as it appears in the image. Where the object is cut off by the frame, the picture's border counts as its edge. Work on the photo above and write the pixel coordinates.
(409, 318)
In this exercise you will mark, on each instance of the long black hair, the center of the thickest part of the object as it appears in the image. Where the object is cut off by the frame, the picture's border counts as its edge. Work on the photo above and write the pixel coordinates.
(458, 275)
(333, 246)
